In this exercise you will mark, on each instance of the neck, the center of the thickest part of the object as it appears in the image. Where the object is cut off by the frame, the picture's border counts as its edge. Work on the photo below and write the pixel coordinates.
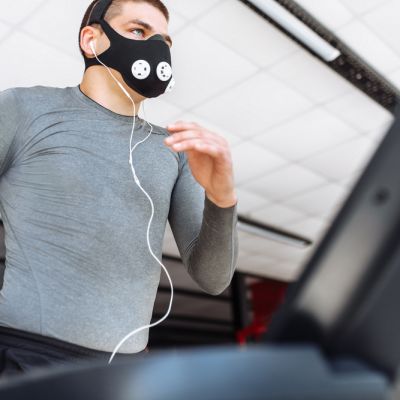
(98, 84)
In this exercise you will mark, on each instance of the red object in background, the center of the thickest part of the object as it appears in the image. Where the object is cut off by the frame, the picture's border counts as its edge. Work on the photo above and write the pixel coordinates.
(266, 297)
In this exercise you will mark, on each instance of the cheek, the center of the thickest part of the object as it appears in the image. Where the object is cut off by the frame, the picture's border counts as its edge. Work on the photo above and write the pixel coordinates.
(103, 44)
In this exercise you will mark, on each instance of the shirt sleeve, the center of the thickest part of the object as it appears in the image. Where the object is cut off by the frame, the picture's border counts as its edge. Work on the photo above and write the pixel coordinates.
(206, 234)
(8, 126)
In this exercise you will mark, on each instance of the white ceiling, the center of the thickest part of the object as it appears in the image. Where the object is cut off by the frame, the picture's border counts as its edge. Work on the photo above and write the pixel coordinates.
(299, 133)
(369, 27)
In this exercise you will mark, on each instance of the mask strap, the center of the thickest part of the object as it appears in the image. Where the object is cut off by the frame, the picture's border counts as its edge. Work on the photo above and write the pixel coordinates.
(110, 32)
(99, 11)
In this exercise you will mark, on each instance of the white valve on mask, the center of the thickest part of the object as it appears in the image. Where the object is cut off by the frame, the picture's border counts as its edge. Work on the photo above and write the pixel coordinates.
(164, 71)
(141, 69)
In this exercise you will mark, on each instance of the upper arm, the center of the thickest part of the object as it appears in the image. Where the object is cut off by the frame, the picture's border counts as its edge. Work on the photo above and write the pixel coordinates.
(9, 112)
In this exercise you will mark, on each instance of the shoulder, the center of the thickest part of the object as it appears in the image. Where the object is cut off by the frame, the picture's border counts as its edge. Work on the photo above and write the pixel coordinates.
(159, 130)
(8, 98)
(35, 99)
(163, 132)
(40, 93)
(23, 101)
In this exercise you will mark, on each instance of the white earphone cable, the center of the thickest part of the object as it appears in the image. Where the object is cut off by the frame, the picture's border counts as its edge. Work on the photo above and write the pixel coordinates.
(152, 212)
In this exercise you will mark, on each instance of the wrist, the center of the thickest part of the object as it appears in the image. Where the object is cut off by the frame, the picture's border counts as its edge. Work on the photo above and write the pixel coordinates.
(225, 202)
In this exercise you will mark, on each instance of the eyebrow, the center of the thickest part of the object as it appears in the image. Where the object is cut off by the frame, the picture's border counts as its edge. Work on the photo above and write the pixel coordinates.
(150, 28)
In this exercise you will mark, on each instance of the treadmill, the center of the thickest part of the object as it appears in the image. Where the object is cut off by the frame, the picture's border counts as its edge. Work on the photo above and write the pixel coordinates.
(336, 337)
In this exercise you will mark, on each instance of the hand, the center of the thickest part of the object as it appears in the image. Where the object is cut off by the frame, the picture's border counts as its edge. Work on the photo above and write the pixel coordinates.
(209, 158)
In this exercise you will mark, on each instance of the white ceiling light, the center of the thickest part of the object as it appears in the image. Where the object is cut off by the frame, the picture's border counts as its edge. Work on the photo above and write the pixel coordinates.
(299, 30)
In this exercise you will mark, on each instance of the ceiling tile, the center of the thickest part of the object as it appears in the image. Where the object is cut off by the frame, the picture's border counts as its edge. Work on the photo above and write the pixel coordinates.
(311, 77)
(264, 267)
(288, 254)
(159, 112)
(3, 30)
(64, 31)
(176, 23)
(310, 227)
(342, 160)
(61, 71)
(367, 44)
(248, 201)
(378, 134)
(203, 67)
(383, 22)
(278, 251)
(285, 182)
(350, 180)
(306, 135)
(256, 258)
(291, 271)
(359, 111)
(190, 8)
(359, 7)
(250, 161)
(268, 44)
(319, 202)
(191, 117)
(15, 11)
(276, 215)
(330, 13)
(251, 243)
(394, 77)
(254, 105)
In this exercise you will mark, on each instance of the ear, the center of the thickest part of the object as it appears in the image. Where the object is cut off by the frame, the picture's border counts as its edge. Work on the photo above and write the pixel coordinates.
(88, 35)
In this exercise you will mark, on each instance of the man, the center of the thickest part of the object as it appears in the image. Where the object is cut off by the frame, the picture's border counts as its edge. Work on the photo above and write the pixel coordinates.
(79, 274)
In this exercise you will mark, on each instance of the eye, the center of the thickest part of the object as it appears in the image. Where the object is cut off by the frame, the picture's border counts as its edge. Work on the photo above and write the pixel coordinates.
(138, 30)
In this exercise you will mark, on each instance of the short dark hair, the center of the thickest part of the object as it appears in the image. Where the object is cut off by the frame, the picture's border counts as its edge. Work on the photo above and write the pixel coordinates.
(115, 9)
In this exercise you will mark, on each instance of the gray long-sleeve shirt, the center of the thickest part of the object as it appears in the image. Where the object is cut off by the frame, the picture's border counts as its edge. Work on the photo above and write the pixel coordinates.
(78, 267)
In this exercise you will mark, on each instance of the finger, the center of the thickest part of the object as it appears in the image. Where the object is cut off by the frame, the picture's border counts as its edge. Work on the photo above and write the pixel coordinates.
(182, 125)
(210, 149)
(177, 137)
(200, 145)
(188, 144)
(207, 135)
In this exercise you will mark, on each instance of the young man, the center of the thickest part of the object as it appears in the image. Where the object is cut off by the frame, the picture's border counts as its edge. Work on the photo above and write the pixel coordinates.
(79, 273)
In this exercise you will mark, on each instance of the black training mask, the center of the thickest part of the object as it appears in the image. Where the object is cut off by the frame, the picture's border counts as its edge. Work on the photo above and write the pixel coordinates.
(145, 65)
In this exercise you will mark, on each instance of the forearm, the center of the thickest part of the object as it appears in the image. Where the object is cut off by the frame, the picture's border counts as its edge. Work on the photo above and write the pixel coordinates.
(213, 254)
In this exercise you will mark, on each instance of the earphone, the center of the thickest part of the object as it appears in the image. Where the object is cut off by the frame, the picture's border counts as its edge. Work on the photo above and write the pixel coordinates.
(137, 181)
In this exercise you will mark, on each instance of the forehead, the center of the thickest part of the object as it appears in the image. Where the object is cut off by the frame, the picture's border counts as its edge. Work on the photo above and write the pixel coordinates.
(144, 15)
(146, 12)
